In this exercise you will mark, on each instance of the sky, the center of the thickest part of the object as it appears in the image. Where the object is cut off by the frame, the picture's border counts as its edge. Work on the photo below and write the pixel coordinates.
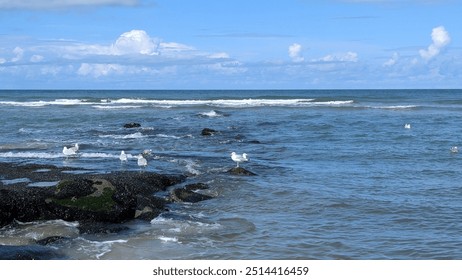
(230, 44)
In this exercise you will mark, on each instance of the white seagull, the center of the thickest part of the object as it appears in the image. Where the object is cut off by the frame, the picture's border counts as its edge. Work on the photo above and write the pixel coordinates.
(71, 151)
(454, 149)
(239, 158)
(123, 156)
(407, 126)
(142, 162)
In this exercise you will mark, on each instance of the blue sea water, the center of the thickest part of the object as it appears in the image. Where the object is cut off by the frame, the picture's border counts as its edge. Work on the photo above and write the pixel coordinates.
(339, 175)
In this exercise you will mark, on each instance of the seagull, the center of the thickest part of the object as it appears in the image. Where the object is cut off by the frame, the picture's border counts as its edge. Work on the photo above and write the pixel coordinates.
(71, 151)
(454, 149)
(123, 156)
(407, 126)
(239, 158)
(147, 152)
(142, 162)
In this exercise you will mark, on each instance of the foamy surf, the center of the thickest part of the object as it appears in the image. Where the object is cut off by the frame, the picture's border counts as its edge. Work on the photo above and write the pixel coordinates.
(136, 135)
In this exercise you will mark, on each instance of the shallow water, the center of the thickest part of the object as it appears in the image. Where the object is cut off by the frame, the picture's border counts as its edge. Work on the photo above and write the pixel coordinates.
(339, 175)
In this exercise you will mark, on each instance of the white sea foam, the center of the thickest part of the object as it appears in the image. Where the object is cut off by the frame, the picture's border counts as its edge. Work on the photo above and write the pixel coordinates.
(133, 103)
(167, 136)
(396, 107)
(31, 155)
(110, 107)
(98, 155)
(211, 114)
(218, 102)
(135, 135)
(40, 103)
(331, 103)
(168, 239)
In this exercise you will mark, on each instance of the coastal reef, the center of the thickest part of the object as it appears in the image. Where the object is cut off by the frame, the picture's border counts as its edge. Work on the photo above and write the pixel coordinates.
(36, 192)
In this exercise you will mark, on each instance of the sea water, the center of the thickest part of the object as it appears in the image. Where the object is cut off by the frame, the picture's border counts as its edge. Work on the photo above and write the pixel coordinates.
(339, 173)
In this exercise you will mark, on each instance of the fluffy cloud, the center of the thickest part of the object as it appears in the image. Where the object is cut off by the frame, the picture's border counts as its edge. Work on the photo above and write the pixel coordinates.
(295, 53)
(393, 60)
(440, 39)
(59, 4)
(135, 42)
(19, 53)
(341, 57)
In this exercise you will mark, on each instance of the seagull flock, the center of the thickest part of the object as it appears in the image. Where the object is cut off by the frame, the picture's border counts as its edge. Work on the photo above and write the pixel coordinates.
(141, 160)
(143, 163)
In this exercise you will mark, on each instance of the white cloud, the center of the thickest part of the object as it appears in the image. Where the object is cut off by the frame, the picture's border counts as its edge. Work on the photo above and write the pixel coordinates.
(98, 69)
(440, 39)
(135, 42)
(393, 60)
(36, 58)
(60, 4)
(340, 57)
(295, 53)
(19, 53)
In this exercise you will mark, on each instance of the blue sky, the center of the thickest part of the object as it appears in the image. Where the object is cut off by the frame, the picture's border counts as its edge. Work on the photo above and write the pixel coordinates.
(230, 44)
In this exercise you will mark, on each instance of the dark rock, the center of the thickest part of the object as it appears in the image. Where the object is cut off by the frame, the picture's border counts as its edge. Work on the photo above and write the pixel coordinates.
(147, 208)
(132, 125)
(107, 198)
(241, 171)
(195, 187)
(74, 188)
(183, 195)
(208, 132)
(29, 252)
(51, 240)
(91, 227)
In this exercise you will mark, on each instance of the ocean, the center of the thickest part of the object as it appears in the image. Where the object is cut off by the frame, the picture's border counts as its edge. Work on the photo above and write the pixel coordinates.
(341, 174)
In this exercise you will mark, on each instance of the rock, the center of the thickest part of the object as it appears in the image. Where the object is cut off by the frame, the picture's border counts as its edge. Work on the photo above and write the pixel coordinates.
(208, 132)
(147, 208)
(91, 227)
(195, 187)
(132, 125)
(51, 240)
(241, 171)
(183, 195)
(91, 198)
(74, 188)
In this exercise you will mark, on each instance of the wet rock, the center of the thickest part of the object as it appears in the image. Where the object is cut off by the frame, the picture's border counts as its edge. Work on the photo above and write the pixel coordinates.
(132, 125)
(208, 132)
(106, 198)
(195, 187)
(241, 171)
(51, 240)
(91, 227)
(147, 208)
(183, 195)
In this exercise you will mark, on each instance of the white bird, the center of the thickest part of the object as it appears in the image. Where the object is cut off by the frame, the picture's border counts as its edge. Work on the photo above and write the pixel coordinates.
(123, 156)
(142, 162)
(71, 151)
(454, 149)
(147, 152)
(239, 158)
(407, 126)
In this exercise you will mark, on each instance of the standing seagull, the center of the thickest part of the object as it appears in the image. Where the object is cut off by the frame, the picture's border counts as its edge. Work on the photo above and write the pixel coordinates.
(142, 162)
(239, 158)
(123, 156)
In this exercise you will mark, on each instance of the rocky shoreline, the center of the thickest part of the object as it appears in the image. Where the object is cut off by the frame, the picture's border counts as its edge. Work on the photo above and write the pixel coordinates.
(100, 203)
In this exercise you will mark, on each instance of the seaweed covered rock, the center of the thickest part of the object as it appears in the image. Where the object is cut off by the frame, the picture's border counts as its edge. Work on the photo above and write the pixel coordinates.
(106, 198)
(184, 195)
(241, 171)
